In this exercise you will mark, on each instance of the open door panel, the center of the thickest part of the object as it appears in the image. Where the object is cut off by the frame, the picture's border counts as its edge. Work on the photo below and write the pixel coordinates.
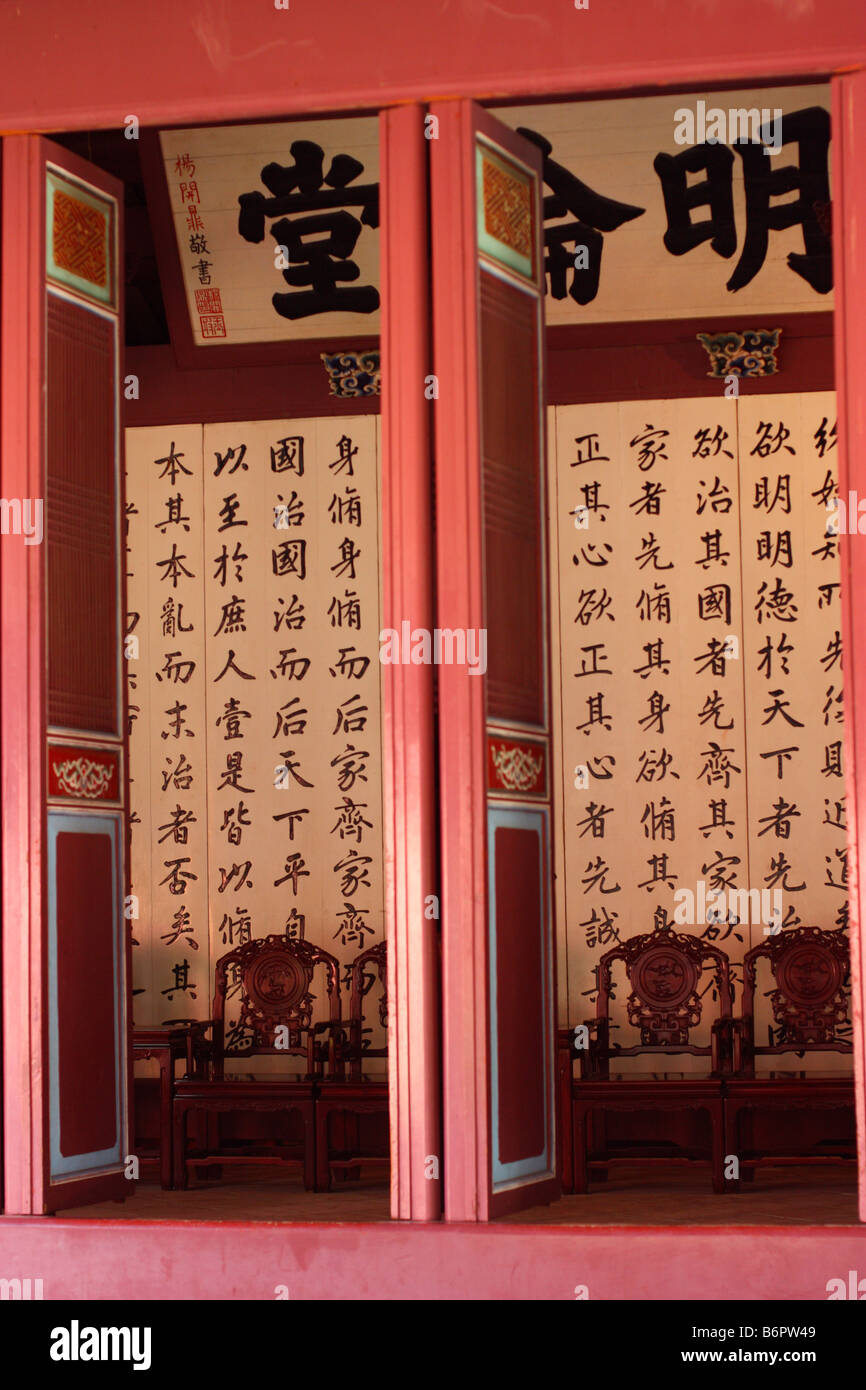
(498, 988)
(64, 725)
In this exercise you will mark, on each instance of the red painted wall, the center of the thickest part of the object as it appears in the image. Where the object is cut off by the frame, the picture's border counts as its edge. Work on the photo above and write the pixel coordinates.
(68, 65)
(403, 1260)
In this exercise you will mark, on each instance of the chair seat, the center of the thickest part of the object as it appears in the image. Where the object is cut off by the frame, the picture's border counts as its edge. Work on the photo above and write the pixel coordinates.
(593, 1098)
(358, 1096)
(805, 1090)
(227, 1096)
(247, 1093)
(647, 1089)
(781, 1078)
(264, 1078)
(341, 1086)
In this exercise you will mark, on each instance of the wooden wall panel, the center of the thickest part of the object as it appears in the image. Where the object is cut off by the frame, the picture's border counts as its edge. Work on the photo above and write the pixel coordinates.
(518, 872)
(512, 520)
(87, 948)
(81, 503)
(87, 1006)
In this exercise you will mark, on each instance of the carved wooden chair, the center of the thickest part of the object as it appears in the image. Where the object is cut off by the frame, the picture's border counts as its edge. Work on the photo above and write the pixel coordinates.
(807, 969)
(664, 970)
(275, 977)
(347, 1090)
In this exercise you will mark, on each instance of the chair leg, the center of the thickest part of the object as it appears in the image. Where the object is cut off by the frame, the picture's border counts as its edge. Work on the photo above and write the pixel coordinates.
(731, 1113)
(310, 1148)
(564, 1089)
(351, 1141)
(718, 1154)
(580, 1166)
(746, 1123)
(323, 1167)
(566, 1145)
(179, 1155)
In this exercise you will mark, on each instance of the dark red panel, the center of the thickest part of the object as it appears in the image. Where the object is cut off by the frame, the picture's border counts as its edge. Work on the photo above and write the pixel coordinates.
(80, 519)
(86, 1005)
(662, 359)
(232, 392)
(512, 538)
(520, 971)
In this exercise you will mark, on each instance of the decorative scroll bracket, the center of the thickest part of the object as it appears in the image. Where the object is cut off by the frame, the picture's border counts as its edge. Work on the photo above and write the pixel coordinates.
(752, 353)
(353, 373)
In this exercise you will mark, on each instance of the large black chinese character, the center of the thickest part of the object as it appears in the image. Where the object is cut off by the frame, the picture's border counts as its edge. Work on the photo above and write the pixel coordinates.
(809, 129)
(319, 247)
(593, 215)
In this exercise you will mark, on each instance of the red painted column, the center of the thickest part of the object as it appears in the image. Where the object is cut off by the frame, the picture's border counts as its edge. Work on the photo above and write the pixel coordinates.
(408, 749)
(849, 275)
(460, 604)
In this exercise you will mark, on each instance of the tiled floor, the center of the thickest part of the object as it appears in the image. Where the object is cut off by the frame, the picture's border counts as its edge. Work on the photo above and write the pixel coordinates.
(632, 1197)
(655, 1196)
(250, 1194)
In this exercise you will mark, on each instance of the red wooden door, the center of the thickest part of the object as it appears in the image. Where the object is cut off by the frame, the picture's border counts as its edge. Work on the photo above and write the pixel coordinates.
(497, 929)
(63, 688)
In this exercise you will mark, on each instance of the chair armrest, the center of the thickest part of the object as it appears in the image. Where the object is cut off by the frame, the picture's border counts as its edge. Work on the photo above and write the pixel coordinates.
(340, 1045)
(593, 1058)
(722, 1034)
(200, 1051)
(742, 1046)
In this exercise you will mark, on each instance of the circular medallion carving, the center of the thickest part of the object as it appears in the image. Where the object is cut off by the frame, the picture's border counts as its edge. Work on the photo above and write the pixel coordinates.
(664, 978)
(275, 982)
(808, 976)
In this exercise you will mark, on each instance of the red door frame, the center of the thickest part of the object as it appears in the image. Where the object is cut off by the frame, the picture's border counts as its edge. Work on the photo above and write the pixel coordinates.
(849, 276)
(407, 551)
(407, 691)
(25, 725)
(23, 630)
(473, 921)
(224, 386)
(463, 781)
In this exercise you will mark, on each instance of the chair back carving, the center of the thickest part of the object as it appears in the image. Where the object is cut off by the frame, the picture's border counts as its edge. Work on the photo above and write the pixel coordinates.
(368, 968)
(664, 970)
(810, 969)
(276, 976)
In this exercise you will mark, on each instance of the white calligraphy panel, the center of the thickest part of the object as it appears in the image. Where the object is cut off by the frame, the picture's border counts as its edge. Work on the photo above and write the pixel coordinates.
(138, 663)
(281, 621)
(320, 204)
(167, 752)
(669, 781)
(611, 148)
(793, 654)
(654, 802)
